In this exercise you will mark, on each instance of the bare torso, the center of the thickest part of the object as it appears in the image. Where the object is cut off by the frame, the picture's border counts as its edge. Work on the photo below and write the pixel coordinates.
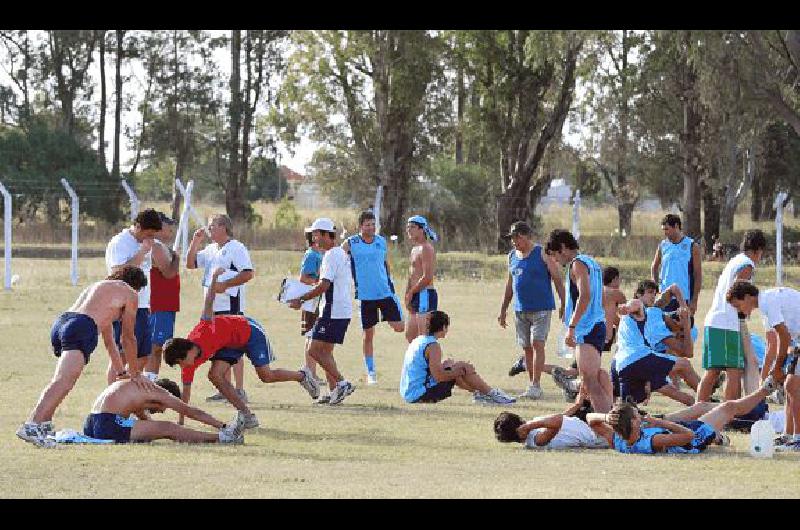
(612, 298)
(123, 398)
(417, 267)
(103, 301)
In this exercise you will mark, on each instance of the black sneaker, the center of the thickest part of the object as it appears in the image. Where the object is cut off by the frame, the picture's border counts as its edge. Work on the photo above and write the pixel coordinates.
(518, 367)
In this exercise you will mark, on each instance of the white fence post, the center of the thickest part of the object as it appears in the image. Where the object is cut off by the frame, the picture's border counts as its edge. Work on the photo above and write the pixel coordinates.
(196, 216)
(182, 235)
(75, 213)
(7, 233)
(576, 215)
(779, 238)
(377, 208)
(133, 198)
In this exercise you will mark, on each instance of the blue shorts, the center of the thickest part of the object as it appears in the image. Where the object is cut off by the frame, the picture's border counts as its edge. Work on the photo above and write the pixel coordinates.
(438, 392)
(144, 335)
(108, 426)
(331, 330)
(425, 301)
(74, 331)
(596, 337)
(704, 434)
(389, 311)
(163, 326)
(258, 349)
(652, 369)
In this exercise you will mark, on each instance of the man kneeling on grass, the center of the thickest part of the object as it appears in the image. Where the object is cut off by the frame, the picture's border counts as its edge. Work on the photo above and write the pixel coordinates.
(426, 378)
(109, 419)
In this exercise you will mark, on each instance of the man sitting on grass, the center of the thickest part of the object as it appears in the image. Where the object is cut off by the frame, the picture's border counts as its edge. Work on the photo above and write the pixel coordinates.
(426, 378)
(110, 416)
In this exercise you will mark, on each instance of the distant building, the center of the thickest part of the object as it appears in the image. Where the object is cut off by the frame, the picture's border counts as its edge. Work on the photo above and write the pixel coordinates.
(559, 192)
(293, 179)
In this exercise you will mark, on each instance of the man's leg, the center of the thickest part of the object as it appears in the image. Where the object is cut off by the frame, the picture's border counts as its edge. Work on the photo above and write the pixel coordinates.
(706, 386)
(723, 413)
(153, 364)
(589, 369)
(69, 368)
(733, 386)
(792, 387)
(692, 412)
(684, 370)
(216, 374)
(311, 364)
(322, 352)
(411, 327)
(538, 361)
(472, 382)
(530, 362)
(368, 349)
(673, 393)
(148, 430)
(278, 375)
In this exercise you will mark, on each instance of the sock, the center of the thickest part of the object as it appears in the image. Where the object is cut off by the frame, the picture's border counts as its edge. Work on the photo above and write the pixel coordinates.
(796, 438)
(369, 362)
(152, 376)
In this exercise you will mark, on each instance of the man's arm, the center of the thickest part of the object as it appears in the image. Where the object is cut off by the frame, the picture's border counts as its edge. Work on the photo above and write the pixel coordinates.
(679, 435)
(697, 265)
(165, 260)
(111, 347)
(240, 279)
(137, 259)
(128, 339)
(581, 275)
(684, 347)
(186, 395)
(551, 425)
(770, 354)
(671, 291)
(241, 260)
(434, 354)
(597, 422)
(211, 293)
(784, 340)
(169, 401)
(194, 248)
(508, 295)
(558, 281)
(655, 267)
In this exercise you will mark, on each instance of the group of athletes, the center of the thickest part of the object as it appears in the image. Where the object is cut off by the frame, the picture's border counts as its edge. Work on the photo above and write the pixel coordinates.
(134, 312)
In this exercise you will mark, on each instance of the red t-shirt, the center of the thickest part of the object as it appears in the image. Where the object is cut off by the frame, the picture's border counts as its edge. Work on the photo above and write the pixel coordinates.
(165, 293)
(226, 331)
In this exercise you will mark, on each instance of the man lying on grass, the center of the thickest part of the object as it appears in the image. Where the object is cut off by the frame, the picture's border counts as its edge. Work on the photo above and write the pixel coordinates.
(110, 416)
(426, 378)
(691, 430)
(224, 339)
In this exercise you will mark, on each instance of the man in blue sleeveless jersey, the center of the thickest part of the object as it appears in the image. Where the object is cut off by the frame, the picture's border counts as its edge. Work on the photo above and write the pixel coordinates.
(530, 273)
(374, 287)
(584, 314)
(678, 260)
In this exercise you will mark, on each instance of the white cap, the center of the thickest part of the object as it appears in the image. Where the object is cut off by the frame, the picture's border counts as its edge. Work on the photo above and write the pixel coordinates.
(323, 223)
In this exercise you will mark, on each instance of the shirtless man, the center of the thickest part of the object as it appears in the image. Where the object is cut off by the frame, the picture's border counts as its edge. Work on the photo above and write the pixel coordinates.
(110, 416)
(74, 338)
(421, 297)
(612, 299)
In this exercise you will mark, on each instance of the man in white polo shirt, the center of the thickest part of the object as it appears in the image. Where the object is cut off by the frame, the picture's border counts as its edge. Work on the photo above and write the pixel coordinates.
(131, 247)
(781, 310)
(226, 253)
(335, 310)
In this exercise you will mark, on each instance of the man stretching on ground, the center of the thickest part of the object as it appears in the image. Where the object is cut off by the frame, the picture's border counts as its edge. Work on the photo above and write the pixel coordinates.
(74, 338)
(110, 416)
(224, 339)
(421, 298)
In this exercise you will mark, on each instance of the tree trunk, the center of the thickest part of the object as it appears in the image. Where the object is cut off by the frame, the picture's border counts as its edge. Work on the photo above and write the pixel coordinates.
(174, 128)
(711, 213)
(118, 103)
(473, 147)
(460, 116)
(755, 200)
(691, 175)
(101, 142)
(234, 203)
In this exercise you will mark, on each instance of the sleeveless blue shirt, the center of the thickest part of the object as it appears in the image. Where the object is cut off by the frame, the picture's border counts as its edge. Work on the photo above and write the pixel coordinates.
(531, 281)
(676, 265)
(631, 342)
(594, 312)
(416, 378)
(368, 263)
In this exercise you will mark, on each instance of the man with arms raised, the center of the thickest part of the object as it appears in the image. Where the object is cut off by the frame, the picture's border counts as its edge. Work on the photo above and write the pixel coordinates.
(420, 298)
(374, 287)
(335, 310)
(74, 337)
(110, 418)
(224, 339)
(584, 314)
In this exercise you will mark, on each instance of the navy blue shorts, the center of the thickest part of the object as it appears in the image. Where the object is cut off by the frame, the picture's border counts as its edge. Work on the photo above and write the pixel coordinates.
(650, 369)
(704, 434)
(331, 330)
(389, 311)
(142, 330)
(163, 326)
(744, 422)
(596, 337)
(108, 426)
(439, 392)
(258, 349)
(425, 301)
(74, 331)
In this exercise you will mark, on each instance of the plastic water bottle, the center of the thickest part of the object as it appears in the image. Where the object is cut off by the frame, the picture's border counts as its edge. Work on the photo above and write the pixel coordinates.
(563, 351)
(761, 439)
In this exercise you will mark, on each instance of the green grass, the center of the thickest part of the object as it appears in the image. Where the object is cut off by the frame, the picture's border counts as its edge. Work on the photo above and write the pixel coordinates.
(373, 445)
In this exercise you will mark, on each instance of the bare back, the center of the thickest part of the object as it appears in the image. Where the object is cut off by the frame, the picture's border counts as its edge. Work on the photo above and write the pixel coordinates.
(104, 301)
(124, 398)
(612, 299)
(423, 257)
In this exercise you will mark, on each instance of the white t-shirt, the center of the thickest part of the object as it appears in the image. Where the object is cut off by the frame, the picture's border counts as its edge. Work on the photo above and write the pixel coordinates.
(337, 301)
(119, 251)
(721, 314)
(573, 433)
(781, 305)
(234, 258)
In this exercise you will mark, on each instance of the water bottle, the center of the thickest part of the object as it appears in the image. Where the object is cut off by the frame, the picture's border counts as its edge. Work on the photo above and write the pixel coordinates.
(563, 351)
(761, 439)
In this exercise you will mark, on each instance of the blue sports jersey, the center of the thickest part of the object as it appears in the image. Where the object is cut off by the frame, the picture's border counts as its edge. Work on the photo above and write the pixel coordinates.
(676, 265)
(531, 281)
(631, 343)
(704, 434)
(368, 263)
(416, 376)
(594, 313)
(312, 261)
(656, 330)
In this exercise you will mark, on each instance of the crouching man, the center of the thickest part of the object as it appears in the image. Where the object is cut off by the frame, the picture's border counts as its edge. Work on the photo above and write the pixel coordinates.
(110, 416)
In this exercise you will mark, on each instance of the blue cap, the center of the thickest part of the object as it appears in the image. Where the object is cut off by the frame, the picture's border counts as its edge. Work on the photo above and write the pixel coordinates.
(423, 223)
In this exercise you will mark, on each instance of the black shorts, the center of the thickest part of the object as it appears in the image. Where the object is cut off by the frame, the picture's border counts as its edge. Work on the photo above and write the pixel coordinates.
(389, 311)
(607, 345)
(307, 320)
(439, 392)
(652, 369)
(596, 336)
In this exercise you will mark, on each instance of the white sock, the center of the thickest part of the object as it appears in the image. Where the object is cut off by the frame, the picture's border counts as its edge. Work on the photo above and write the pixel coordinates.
(796, 438)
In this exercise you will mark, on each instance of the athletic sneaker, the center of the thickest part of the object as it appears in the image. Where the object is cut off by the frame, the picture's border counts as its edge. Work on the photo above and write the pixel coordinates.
(498, 397)
(47, 428)
(216, 397)
(778, 397)
(720, 379)
(309, 383)
(481, 399)
(343, 389)
(324, 399)
(246, 421)
(33, 433)
(231, 435)
(372, 378)
(769, 384)
(782, 439)
(534, 391)
(518, 367)
(242, 395)
(564, 382)
(723, 439)
(788, 447)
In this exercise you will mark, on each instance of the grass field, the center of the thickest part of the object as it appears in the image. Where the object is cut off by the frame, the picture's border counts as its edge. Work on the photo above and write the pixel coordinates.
(373, 445)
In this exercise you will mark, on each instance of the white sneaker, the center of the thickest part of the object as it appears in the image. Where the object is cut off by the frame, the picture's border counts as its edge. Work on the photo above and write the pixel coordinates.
(769, 384)
(481, 399)
(246, 421)
(534, 392)
(778, 397)
(47, 428)
(324, 399)
(501, 398)
(343, 389)
(231, 435)
(309, 383)
(372, 378)
(33, 433)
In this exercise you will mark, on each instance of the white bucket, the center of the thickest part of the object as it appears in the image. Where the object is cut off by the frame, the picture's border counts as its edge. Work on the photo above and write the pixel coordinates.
(762, 439)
